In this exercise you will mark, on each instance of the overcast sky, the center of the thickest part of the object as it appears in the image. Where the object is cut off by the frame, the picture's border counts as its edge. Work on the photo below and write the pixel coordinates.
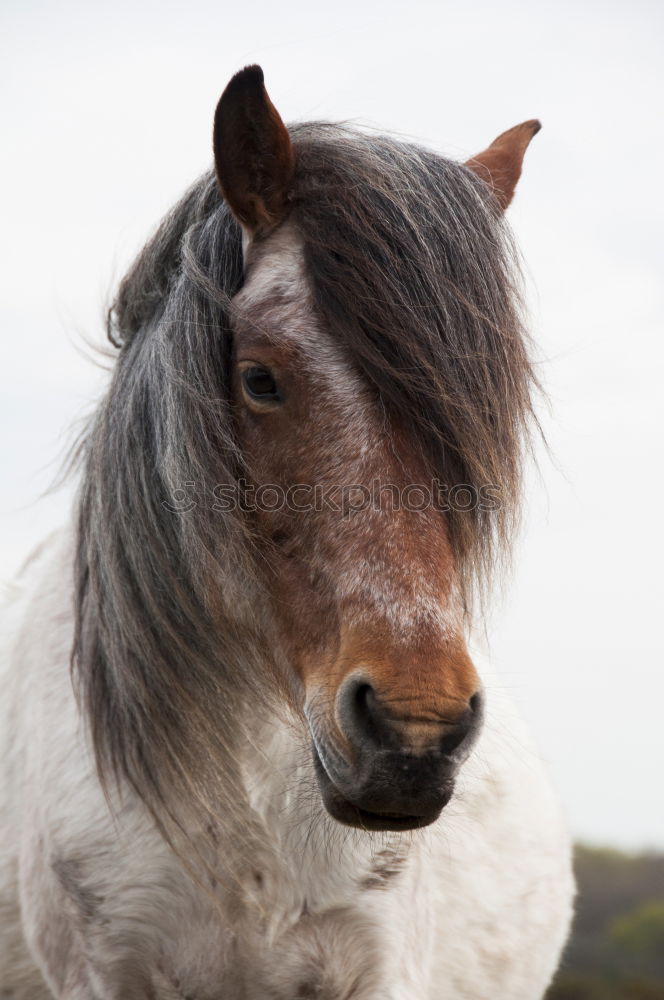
(107, 117)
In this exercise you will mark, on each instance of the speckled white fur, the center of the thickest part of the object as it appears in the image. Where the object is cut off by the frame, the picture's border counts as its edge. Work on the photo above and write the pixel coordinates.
(478, 908)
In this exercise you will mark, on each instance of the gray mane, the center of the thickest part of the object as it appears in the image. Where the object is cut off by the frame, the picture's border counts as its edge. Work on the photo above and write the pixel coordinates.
(412, 269)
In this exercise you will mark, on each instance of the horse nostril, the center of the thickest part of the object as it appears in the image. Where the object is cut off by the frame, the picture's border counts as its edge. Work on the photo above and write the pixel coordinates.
(355, 710)
(360, 696)
(360, 714)
(455, 736)
(475, 703)
(467, 725)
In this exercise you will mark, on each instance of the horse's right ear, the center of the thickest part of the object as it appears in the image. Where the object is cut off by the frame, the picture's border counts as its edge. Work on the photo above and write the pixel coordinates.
(253, 154)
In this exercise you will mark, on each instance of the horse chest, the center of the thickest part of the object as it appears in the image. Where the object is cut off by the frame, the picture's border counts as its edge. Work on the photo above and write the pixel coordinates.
(281, 940)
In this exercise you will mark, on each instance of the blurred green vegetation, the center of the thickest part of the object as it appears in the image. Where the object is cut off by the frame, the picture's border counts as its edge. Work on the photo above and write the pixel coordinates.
(616, 951)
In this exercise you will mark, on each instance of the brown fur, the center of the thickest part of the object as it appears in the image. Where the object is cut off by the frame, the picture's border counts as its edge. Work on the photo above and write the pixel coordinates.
(500, 164)
(253, 152)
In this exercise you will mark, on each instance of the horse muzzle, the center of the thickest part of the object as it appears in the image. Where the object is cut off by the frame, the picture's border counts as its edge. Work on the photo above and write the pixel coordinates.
(394, 773)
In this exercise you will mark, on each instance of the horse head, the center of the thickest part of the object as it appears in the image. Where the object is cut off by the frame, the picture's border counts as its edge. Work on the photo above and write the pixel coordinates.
(367, 600)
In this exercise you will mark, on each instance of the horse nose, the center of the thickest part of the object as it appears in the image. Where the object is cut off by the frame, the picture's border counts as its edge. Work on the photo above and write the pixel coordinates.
(371, 723)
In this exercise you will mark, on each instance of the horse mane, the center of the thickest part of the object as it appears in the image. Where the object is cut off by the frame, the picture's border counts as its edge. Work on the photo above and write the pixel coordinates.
(413, 270)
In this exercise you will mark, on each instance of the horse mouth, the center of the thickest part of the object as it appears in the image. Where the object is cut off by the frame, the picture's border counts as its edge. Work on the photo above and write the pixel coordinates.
(350, 813)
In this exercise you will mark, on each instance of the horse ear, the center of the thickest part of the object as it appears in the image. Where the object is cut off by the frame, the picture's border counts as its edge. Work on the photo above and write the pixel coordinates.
(252, 152)
(500, 164)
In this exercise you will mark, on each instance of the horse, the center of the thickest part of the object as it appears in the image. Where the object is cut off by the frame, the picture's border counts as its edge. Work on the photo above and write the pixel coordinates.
(246, 750)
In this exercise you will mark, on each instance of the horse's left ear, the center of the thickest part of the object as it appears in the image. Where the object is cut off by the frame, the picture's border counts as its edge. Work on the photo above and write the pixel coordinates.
(500, 164)
(253, 154)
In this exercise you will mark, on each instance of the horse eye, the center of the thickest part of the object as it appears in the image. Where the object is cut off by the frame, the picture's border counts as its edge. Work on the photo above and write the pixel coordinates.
(259, 384)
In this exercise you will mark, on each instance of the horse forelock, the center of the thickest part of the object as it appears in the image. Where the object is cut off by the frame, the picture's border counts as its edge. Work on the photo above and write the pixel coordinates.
(412, 273)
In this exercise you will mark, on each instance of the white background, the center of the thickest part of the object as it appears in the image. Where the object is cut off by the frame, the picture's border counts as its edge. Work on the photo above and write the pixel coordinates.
(107, 117)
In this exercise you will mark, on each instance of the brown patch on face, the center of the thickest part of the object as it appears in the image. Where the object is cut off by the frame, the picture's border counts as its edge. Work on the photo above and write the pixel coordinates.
(420, 682)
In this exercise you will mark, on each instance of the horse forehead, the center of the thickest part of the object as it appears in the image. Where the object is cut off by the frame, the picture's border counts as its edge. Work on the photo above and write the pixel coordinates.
(275, 307)
(274, 277)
